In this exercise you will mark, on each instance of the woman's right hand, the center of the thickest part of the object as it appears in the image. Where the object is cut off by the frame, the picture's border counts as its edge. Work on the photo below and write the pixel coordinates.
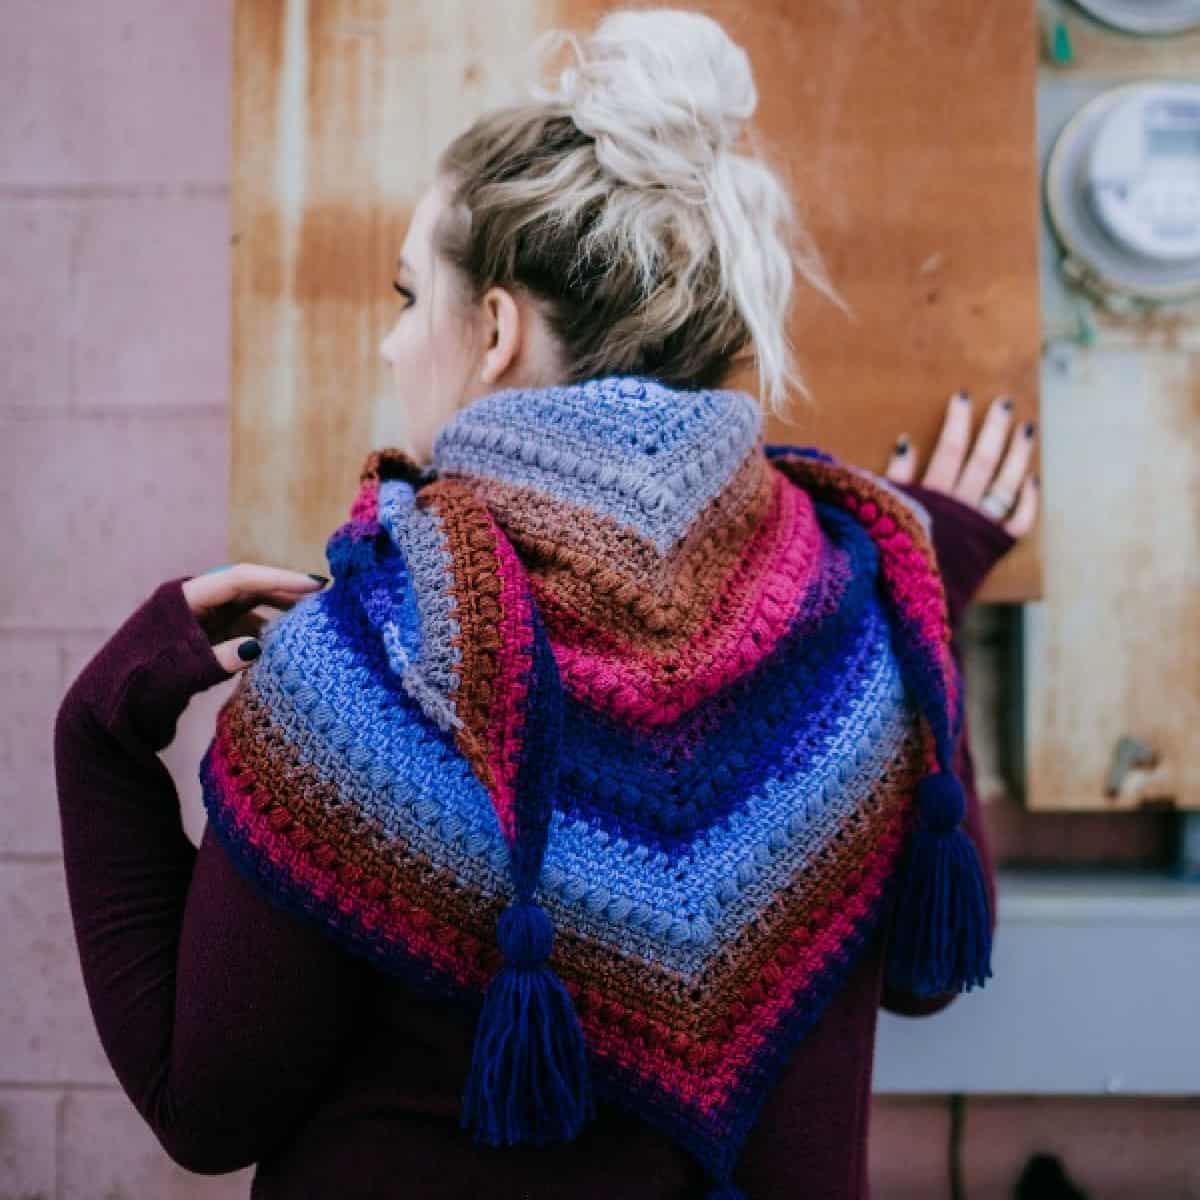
(224, 598)
(969, 473)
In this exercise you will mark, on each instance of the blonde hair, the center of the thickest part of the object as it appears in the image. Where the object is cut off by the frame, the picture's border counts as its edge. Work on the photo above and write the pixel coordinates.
(618, 197)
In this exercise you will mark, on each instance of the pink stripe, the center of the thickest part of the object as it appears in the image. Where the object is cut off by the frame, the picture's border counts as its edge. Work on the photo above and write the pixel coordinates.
(365, 509)
(415, 933)
(922, 603)
(364, 516)
(783, 563)
(915, 584)
(505, 733)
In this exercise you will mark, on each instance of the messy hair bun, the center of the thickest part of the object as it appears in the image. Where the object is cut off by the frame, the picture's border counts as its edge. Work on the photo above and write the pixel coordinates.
(619, 195)
(664, 94)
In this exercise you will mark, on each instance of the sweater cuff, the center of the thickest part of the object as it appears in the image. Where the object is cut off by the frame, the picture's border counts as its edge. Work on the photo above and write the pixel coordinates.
(967, 542)
(142, 678)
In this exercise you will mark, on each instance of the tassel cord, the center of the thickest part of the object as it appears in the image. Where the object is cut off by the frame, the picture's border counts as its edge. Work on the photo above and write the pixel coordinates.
(529, 1080)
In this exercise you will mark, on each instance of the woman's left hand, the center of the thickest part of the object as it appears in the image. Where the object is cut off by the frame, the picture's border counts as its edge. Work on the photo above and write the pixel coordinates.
(974, 474)
(223, 600)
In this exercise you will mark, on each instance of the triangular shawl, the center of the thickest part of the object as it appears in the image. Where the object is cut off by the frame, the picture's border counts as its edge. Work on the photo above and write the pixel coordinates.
(624, 730)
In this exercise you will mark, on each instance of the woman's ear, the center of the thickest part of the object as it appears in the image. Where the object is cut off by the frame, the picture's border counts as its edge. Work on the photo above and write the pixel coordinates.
(503, 331)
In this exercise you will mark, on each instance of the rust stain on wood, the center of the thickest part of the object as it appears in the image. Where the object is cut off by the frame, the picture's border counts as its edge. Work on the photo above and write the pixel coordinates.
(340, 107)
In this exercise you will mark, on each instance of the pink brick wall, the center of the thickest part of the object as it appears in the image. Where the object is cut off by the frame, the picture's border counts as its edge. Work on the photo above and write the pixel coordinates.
(114, 367)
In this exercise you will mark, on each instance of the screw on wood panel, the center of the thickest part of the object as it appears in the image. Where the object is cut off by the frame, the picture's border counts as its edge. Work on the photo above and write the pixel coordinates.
(1128, 753)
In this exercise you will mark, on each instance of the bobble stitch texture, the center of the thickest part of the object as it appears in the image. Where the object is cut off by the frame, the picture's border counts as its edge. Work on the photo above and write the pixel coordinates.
(693, 691)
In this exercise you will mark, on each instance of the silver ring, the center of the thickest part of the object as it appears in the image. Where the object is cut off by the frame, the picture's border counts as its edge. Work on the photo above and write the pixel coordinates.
(997, 502)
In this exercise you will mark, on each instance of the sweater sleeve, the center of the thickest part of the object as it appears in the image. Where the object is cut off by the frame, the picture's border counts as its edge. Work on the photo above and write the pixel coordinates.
(220, 1014)
(967, 544)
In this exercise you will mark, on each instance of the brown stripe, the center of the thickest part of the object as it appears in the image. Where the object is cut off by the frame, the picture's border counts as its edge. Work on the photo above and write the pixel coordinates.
(305, 799)
(606, 575)
(476, 588)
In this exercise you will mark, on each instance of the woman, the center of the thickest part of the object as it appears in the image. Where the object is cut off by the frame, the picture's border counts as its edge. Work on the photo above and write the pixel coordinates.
(578, 280)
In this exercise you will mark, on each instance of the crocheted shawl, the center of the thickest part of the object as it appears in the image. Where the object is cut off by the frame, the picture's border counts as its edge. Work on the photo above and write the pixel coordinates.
(623, 730)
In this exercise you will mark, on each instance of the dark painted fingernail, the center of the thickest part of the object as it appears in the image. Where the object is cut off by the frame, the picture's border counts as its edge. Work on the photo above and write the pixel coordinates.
(249, 650)
(1006, 403)
(321, 579)
(963, 396)
(1030, 426)
(902, 444)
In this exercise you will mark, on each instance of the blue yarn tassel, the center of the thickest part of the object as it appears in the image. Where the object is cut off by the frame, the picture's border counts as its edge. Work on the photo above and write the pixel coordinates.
(529, 1080)
(941, 941)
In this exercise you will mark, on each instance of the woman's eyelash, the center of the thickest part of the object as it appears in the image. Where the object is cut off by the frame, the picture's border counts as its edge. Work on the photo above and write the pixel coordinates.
(405, 292)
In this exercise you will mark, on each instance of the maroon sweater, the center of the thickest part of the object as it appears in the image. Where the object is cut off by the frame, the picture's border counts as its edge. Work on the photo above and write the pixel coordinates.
(243, 1035)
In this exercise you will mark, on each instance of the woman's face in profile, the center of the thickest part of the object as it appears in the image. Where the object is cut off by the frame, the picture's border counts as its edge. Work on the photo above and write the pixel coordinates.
(430, 347)
(446, 351)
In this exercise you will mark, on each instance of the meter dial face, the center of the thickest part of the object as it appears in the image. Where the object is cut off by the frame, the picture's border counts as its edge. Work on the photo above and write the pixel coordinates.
(1122, 190)
(1143, 173)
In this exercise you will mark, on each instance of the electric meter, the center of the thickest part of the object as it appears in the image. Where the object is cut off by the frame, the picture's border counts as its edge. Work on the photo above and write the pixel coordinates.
(1143, 174)
(1123, 189)
(1145, 16)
